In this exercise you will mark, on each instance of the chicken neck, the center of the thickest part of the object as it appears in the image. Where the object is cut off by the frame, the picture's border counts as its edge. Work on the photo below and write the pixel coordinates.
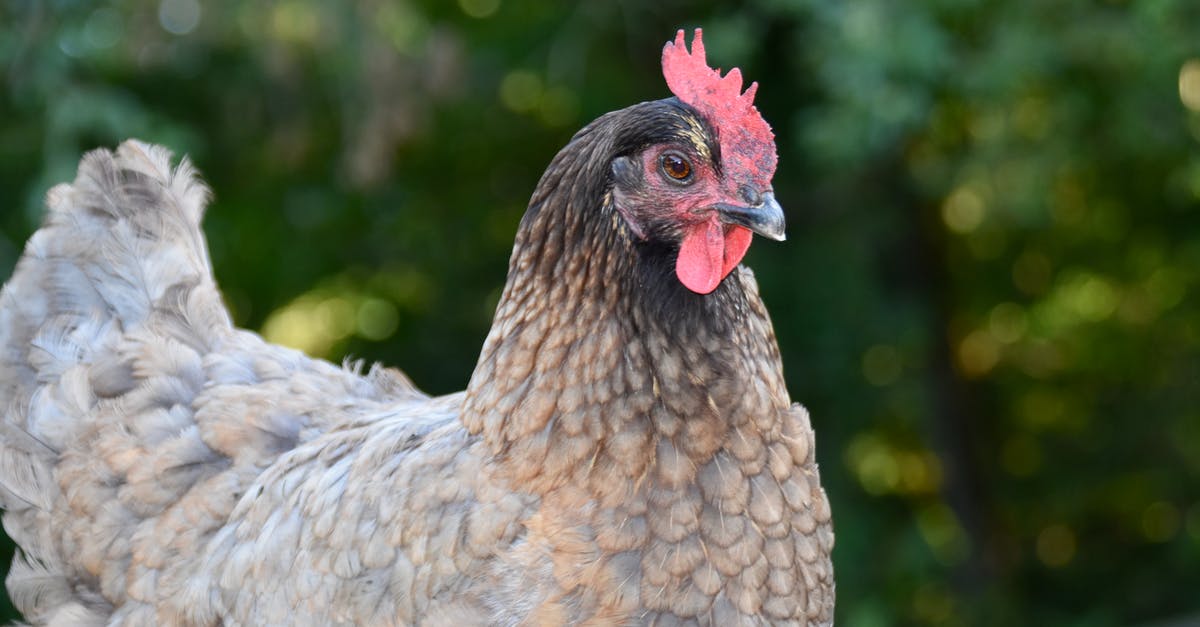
(601, 370)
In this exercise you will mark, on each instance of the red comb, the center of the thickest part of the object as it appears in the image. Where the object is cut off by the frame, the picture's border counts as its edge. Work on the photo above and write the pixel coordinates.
(747, 143)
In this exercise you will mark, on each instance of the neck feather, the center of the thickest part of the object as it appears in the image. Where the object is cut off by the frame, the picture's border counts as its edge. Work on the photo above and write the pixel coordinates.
(601, 369)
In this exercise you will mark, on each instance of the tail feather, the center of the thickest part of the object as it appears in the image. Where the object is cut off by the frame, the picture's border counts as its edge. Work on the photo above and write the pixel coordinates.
(36, 584)
(23, 466)
(114, 243)
(135, 415)
(133, 226)
(120, 246)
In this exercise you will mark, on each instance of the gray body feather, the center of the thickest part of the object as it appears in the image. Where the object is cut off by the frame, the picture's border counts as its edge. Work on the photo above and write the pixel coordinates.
(154, 460)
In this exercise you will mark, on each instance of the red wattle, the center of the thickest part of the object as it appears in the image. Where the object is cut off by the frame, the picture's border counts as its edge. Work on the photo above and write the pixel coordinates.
(737, 242)
(708, 253)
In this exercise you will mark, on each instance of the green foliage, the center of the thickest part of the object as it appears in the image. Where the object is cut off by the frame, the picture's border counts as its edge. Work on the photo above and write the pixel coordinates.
(988, 299)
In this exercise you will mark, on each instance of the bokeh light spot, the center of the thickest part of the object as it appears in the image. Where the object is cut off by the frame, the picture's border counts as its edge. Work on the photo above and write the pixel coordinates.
(874, 464)
(1056, 545)
(1007, 322)
(1092, 297)
(882, 468)
(103, 28)
(978, 354)
(1160, 521)
(377, 319)
(295, 22)
(336, 317)
(317, 322)
(1167, 287)
(1041, 408)
(1189, 84)
(300, 326)
(179, 17)
(963, 210)
(402, 24)
(920, 472)
(940, 529)
(479, 8)
(521, 91)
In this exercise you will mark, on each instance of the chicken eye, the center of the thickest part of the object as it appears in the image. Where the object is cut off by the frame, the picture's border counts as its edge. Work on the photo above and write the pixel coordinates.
(676, 167)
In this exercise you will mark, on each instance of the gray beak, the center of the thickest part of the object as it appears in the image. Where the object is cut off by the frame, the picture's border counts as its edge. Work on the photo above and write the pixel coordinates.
(765, 218)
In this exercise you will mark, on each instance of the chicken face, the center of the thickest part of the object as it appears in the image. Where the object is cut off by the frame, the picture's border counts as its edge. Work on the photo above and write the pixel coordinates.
(700, 181)
(677, 190)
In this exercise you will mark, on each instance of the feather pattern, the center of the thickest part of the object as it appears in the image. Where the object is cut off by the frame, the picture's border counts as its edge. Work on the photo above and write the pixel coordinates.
(626, 451)
(142, 428)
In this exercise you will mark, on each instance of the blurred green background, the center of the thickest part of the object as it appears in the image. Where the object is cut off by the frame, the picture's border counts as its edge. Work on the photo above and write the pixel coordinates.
(988, 298)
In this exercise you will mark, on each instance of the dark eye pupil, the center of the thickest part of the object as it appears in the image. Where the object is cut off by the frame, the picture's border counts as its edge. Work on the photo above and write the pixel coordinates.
(677, 167)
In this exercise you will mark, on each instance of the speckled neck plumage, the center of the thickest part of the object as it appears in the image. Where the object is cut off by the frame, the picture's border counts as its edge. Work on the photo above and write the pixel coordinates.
(675, 480)
(595, 340)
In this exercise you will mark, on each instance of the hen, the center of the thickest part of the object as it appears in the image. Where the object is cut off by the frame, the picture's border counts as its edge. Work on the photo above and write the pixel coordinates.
(625, 452)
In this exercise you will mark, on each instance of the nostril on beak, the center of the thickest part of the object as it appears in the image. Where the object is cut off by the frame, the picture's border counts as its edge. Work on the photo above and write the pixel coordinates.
(750, 195)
